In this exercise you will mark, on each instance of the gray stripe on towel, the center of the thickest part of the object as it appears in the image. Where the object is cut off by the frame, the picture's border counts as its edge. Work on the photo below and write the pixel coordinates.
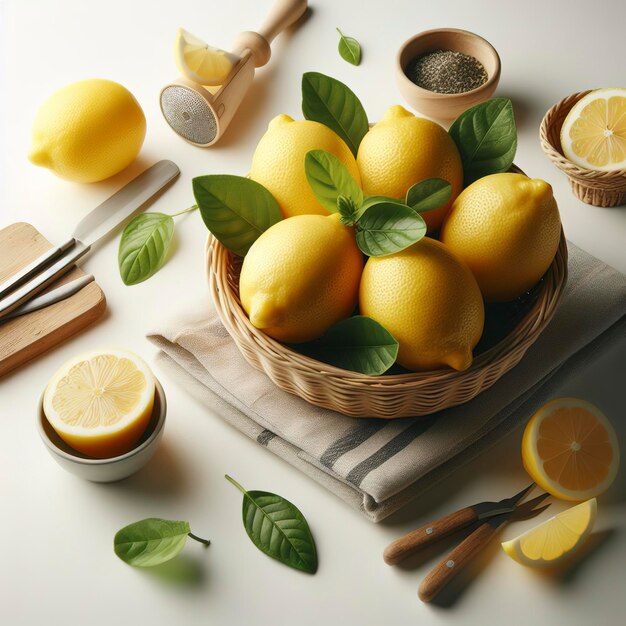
(391, 448)
(365, 429)
(265, 436)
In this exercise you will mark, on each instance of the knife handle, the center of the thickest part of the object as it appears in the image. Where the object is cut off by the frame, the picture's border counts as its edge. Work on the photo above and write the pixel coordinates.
(428, 534)
(451, 565)
(26, 273)
(41, 281)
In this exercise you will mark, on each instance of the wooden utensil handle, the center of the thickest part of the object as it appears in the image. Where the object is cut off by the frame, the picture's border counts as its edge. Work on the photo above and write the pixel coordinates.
(449, 567)
(401, 548)
(283, 13)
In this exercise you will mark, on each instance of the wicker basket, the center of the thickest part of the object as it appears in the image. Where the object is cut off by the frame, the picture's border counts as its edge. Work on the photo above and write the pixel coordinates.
(605, 189)
(391, 395)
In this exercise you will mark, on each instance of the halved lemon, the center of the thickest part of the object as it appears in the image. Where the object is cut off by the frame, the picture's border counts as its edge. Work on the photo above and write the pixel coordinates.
(554, 540)
(593, 134)
(100, 402)
(200, 62)
(569, 448)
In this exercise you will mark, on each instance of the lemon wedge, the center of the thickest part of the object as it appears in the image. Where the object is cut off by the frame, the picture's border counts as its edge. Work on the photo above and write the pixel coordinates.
(569, 448)
(100, 402)
(593, 134)
(554, 540)
(200, 62)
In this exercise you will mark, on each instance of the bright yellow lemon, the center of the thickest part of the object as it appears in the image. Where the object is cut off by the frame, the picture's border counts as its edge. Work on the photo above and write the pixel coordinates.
(100, 402)
(429, 301)
(507, 228)
(278, 162)
(593, 134)
(300, 277)
(570, 449)
(200, 62)
(556, 539)
(88, 131)
(401, 150)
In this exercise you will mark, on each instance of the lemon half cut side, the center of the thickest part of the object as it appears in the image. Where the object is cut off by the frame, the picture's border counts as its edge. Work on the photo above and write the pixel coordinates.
(594, 132)
(100, 402)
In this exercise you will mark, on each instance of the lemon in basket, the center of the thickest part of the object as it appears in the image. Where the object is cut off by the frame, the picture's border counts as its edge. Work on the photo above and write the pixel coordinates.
(401, 150)
(429, 301)
(278, 162)
(100, 402)
(507, 228)
(593, 134)
(300, 277)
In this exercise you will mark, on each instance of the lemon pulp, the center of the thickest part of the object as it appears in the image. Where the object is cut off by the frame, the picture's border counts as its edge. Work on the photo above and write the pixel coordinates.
(553, 540)
(100, 403)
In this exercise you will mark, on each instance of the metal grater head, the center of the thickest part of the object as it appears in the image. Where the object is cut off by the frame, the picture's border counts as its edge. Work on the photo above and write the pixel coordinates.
(188, 113)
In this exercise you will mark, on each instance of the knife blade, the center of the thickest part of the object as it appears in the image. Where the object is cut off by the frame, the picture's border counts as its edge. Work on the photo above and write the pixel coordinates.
(111, 213)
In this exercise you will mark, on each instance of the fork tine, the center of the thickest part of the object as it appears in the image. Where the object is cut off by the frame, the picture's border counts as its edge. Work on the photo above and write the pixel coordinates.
(532, 513)
(526, 509)
(512, 501)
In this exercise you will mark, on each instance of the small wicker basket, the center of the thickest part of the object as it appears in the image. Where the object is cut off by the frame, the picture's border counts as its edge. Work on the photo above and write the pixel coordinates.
(391, 395)
(605, 189)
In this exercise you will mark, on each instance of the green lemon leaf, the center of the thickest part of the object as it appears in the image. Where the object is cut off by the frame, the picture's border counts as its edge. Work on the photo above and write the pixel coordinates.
(329, 178)
(278, 528)
(371, 200)
(150, 541)
(429, 194)
(143, 246)
(348, 210)
(388, 227)
(235, 209)
(330, 102)
(349, 49)
(486, 137)
(358, 344)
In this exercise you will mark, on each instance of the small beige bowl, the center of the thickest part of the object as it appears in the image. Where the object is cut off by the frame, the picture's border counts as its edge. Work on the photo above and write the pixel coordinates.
(604, 189)
(442, 106)
(115, 468)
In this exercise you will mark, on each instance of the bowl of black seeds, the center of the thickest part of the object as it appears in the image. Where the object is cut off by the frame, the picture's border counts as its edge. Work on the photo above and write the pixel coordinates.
(445, 71)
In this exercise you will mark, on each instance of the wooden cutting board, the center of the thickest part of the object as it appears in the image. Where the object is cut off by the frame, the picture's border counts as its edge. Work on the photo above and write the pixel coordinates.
(25, 337)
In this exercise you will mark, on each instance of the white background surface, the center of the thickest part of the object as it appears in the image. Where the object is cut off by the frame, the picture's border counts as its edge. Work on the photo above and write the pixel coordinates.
(57, 565)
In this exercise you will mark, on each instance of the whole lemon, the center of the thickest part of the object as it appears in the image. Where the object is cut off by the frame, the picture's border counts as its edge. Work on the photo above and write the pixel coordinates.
(429, 301)
(401, 150)
(506, 227)
(278, 162)
(88, 131)
(300, 277)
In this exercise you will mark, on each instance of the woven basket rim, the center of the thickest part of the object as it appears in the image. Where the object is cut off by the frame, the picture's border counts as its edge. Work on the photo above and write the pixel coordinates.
(551, 120)
(531, 324)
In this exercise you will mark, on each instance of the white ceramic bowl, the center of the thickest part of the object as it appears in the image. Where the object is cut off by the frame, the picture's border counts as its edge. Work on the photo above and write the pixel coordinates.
(112, 469)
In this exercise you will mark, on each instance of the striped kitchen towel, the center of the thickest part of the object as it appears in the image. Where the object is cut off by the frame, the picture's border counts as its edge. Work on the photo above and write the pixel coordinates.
(375, 465)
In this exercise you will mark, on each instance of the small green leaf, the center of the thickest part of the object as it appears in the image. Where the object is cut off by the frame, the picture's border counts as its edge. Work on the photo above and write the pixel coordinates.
(143, 246)
(348, 210)
(428, 195)
(349, 49)
(328, 101)
(235, 209)
(150, 541)
(486, 137)
(388, 227)
(278, 528)
(358, 344)
(329, 178)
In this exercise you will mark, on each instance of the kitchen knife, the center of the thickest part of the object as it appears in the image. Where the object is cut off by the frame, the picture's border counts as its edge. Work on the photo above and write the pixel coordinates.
(93, 227)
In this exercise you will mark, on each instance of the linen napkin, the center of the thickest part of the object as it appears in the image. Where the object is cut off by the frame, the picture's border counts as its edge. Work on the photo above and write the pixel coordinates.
(375, 465)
